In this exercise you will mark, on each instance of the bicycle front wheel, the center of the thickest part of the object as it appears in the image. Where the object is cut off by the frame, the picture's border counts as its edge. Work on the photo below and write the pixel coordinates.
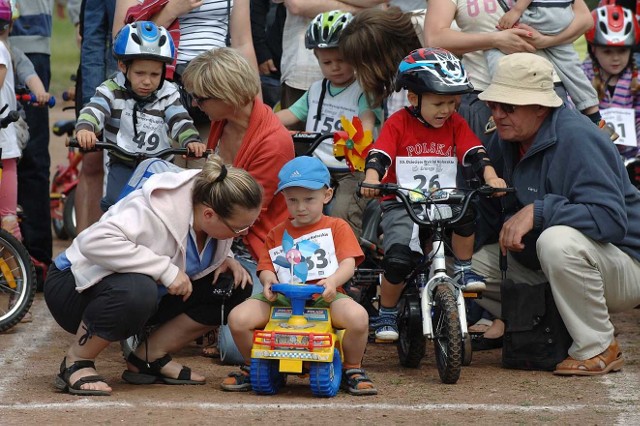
(447, 335)
(17, 281)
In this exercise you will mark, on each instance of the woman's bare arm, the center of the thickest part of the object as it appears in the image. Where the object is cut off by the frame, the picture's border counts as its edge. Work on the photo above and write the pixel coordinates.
(438, 33)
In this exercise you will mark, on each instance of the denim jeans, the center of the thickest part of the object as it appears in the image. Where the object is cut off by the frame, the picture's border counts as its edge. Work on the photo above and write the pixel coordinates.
(33, 173)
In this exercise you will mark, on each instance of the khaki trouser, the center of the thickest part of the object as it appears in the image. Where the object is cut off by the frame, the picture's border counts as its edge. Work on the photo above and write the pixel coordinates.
(588, 279)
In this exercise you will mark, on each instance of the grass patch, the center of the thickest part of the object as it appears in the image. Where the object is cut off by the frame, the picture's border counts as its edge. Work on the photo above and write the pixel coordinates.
(65, 56)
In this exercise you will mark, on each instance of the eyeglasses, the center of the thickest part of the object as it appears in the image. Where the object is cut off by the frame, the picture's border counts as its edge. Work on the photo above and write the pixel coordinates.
(199, 99)
(506, 108)
(232, 229)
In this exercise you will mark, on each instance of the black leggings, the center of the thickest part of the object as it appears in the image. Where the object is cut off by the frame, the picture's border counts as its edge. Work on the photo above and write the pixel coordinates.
(120, 305)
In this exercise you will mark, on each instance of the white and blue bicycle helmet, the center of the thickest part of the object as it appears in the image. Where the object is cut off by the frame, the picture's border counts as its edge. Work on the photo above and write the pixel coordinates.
(143, 40)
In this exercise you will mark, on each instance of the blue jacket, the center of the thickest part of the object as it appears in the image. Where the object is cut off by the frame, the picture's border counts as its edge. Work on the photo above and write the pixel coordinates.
(574, 176)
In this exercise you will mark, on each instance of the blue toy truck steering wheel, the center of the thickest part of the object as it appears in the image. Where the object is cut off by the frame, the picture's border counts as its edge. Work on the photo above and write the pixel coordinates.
(297, 294)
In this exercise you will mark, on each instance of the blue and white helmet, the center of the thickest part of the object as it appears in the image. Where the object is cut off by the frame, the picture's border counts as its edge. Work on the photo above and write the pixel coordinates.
(143, 40)
(433, 70)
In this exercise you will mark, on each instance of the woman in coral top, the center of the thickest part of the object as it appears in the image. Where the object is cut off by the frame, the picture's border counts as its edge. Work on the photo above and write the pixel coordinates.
(244, 132)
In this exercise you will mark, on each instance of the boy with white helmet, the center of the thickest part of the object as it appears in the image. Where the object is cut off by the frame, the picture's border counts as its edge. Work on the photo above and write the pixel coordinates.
(337, 94)
(137, 109)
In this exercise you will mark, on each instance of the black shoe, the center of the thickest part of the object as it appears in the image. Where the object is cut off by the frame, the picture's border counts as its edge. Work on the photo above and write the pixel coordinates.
(481, 343)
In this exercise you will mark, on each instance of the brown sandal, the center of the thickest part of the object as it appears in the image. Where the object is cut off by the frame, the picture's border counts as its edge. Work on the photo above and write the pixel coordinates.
(609, 360)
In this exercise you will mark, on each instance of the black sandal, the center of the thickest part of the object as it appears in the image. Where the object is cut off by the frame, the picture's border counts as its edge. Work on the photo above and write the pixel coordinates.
(63, 383)
(149, 372)
(352, 378)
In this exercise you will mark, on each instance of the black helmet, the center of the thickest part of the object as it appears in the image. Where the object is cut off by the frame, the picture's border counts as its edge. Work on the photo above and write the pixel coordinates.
(433, 70)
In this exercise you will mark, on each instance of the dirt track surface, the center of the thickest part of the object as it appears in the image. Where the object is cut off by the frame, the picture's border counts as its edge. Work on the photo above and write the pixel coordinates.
(485, 393)
(30, 356)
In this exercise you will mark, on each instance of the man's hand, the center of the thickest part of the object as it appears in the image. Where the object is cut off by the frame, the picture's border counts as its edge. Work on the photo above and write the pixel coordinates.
(516, 227)
(181, 286)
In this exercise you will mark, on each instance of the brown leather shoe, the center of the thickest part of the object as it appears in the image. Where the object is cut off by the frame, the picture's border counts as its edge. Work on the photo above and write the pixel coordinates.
(607, 361)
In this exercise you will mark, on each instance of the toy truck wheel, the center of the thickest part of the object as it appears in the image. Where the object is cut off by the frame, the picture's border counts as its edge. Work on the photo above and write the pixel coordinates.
(265, 377)
(325, 377)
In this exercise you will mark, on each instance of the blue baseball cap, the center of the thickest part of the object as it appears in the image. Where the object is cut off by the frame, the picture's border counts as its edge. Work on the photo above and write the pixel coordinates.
(304, 172)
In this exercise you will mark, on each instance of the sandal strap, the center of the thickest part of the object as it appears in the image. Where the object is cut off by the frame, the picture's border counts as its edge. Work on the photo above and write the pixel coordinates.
(356, 376)
(87, 379)
(147, 367)
(66, 372)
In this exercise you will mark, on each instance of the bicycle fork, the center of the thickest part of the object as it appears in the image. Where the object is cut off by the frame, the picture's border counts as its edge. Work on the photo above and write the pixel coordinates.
(439, 278)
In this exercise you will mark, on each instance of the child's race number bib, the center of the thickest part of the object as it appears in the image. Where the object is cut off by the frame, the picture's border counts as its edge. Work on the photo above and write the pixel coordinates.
(322, 263)
(151, 135)
(426, 174)
(623, 121)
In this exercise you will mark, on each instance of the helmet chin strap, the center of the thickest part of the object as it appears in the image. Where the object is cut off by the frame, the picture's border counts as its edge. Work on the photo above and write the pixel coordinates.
(416, 112)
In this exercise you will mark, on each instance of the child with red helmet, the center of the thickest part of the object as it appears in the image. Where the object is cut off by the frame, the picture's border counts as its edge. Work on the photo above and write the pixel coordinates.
(613, 72)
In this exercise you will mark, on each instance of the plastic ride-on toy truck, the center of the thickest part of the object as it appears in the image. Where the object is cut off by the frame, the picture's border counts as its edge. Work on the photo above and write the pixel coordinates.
(295, 337)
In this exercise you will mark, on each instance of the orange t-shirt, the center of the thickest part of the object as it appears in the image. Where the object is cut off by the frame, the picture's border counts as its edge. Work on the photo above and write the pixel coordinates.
(334, 236)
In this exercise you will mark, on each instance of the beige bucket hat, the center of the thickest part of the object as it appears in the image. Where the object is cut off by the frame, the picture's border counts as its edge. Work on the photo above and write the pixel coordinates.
(522, 79)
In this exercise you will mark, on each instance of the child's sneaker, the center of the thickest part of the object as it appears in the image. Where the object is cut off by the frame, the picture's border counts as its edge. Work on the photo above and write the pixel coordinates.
(356, 382)
(470, 281)
(238, 381)
(386, 324)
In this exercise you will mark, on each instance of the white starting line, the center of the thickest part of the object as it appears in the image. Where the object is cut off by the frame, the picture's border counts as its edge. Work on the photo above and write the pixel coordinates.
(93, 404)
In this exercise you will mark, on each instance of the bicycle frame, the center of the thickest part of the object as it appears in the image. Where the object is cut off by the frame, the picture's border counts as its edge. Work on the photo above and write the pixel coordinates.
(440, 277)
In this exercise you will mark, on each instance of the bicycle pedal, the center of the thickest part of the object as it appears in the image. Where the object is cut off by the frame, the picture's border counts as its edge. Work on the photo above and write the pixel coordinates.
(471, 294)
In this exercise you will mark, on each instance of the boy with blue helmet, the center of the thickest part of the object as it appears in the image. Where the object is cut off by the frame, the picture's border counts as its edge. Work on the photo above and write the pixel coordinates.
(420, 147)
(137, 109)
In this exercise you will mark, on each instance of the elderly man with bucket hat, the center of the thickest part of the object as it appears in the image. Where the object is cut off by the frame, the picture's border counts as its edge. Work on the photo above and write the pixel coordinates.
(574, 219)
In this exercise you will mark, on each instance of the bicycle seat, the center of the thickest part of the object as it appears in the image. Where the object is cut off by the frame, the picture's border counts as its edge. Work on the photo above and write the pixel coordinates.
(62, 127)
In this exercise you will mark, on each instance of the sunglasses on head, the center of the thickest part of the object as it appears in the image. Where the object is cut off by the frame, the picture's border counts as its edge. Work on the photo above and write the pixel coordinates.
(506, 108)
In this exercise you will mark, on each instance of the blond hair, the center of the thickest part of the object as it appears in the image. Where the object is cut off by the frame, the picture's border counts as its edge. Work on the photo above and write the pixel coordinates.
(222, 74)
(225, 188)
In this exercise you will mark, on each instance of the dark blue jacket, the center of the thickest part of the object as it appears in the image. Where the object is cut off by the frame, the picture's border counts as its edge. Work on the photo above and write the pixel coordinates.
(574, 176)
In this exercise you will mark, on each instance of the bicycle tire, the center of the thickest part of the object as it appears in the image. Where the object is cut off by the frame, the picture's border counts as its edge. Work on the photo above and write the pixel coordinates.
(57, 206)
(412, 344)
(447, 335)
(69, 214)
(467, 350)
(17, 281)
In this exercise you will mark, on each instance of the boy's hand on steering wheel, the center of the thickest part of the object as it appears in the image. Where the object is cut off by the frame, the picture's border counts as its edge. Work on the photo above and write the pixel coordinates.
(329, 293)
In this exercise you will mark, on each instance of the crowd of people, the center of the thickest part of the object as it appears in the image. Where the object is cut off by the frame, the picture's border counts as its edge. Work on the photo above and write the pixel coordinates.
(496, 94)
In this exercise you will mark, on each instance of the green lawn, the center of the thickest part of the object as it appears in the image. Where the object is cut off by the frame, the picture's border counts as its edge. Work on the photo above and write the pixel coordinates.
(65, 56)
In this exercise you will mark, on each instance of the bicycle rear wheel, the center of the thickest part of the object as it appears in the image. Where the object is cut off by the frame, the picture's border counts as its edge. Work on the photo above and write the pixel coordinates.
(17, 281)
(447, 335)
(69, 214)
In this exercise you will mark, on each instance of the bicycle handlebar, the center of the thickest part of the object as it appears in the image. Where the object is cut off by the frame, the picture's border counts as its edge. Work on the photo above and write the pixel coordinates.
(11, 117)
(437, 198)
(313, 139)
(136, 156)
(31, 98)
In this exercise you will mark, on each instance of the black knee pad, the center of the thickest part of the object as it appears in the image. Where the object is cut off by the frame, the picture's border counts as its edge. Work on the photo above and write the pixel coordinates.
(398, 263)
(466, 227)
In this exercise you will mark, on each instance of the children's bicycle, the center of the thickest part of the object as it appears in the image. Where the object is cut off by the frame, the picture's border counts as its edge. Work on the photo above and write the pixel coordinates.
(63, 186)
(432, 305)
(17, 273)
